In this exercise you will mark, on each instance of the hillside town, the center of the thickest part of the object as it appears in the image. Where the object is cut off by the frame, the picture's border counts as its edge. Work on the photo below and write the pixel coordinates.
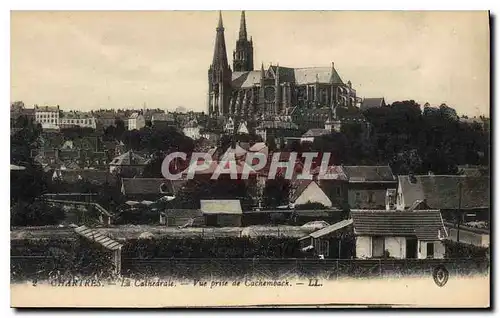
(408, 181)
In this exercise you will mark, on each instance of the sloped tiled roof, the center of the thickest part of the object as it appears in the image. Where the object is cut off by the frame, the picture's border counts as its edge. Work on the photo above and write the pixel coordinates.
(312, 74)
(220, 206)
(442, 192)
(369, 173)
(245, 79)
(426, 225)
(277, 125)
(331, 228)
(124, 159)
(331, 173)
(91, 175)
(145, 185)
(97, 237)
(183, 213)
(473, 171)
(316, 132)
(299, 76)
(372, 103)
(297, 188)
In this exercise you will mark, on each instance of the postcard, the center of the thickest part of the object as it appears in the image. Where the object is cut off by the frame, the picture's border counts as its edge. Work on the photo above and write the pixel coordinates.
(250, 159)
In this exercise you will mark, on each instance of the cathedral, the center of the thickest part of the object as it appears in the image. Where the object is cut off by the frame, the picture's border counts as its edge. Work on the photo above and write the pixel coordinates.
(273, 91)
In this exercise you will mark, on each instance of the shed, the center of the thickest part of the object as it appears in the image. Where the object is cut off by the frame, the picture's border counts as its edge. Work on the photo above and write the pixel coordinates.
(109, 244)
(221, 212)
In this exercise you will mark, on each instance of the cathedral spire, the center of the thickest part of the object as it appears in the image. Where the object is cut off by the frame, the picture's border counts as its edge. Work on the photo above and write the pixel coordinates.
(243, 27)
(220, 26)
(220, 56)
(243, 53)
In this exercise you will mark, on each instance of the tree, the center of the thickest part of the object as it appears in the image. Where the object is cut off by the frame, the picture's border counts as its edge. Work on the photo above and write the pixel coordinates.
(276, 192)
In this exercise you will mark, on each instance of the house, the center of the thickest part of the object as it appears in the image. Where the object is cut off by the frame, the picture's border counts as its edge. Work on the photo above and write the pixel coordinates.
(149, 189)
(242, 128)
(367, 186)
(106, 118)
(47, 116)
(129, 163)
(192, 129)
(136, 121)
(334, 183)
(399, 234)
(368, 103)
(328, 241)
(308, 191)
(381, 234)
(229, 126)
(224, 213)
(443, 192)
(314, 133)
(162, 120)
(77, 119)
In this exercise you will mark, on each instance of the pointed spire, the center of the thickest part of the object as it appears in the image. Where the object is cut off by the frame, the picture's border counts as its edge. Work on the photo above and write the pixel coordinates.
(220, 26)
(220, 55)
(243, 27)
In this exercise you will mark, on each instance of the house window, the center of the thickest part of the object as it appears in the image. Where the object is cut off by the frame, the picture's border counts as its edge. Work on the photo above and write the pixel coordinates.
(378, 246)
(430, 250)
(322, 247)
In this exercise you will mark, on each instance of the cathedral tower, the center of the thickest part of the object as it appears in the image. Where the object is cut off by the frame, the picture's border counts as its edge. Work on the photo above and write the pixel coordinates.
(219, 76)
(243, 55)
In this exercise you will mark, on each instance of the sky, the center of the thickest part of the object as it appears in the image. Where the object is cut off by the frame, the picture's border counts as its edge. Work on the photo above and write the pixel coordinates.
(87, 60)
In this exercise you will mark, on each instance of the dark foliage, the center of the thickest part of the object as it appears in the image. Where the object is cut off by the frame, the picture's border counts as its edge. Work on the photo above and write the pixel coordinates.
(222, 247)
(276, 192)
(462, 250)
(410, 140)
(35, 213)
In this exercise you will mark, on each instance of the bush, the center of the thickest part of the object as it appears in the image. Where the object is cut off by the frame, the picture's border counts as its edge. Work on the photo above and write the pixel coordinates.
(221, 247)
(310, 206)
(35, 214)
(462, 250)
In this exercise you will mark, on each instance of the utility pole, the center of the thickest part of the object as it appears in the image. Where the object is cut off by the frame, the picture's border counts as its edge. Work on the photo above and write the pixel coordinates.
(459, 218)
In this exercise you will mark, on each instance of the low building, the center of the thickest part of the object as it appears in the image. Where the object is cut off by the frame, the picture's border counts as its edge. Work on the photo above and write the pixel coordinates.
(149, 189)
(129, 163)
(106, 118)
(136, 121)
(399, 234)
(162, 120)
(368, 103)
(223, 213)
(443, 192)
(314, 133)
(381, 234)
(368, 185)
(77, 119)
(306, 192)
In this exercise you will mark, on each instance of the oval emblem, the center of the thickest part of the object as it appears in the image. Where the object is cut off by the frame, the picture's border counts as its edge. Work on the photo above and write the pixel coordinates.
(440, 275)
